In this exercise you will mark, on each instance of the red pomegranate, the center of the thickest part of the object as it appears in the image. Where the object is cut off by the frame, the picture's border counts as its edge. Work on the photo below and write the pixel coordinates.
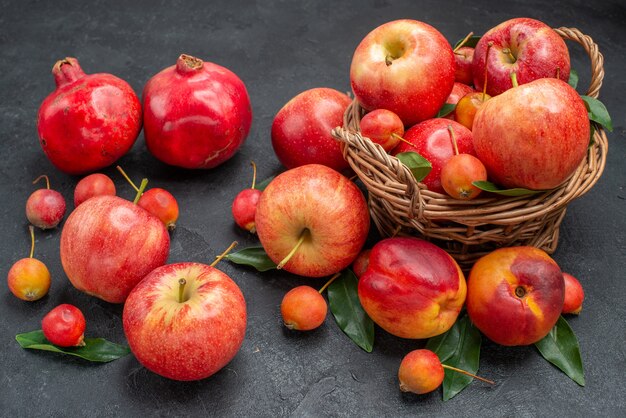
(89, 121)
(196, 114)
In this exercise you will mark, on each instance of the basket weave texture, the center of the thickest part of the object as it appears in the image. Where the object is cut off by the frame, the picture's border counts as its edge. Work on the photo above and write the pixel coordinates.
(399, 205)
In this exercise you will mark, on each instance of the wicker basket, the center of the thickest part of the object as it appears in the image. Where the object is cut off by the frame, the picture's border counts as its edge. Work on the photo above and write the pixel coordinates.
(469, 229)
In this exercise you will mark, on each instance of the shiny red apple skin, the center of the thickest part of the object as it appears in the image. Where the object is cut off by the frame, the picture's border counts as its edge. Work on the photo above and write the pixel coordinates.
(96, 184)
(244, 208)
(538, 50)
(431, 139)
(196, 114)
(108, 245)
(45, 208)
(463, 58)
(190, 340)
(533, 136)
(328, 204)
(574, 295)
(381, 126)
(89, 121)
(405, 66)
(412, 288)
(301, 129)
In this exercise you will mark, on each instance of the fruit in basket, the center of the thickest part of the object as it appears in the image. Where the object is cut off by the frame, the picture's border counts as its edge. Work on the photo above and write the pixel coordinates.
(45, 208)
(412, 288)
(432, 139)
(89, 121)
(96, 184)
(574, 295)
(515, 295)
(312, 221)
(383, 127)
(245, 203)
(468, 105)
(185, 321)
(525, 46)
(64, 326)
(109, 244)
(303, 308)
(405, 66)
(196, 114)
(463, 58)
(301, 129)
(458, 174)
(29, 278)
(532, 136)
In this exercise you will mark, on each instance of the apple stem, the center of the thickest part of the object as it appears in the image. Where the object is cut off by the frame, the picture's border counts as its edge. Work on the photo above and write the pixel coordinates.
(253, 174)
(453, 137)
(489, 45)
(558, 73)
(395, 135)
(332, 279)
(226, 251)
(463, 42)
(510, 55)
(388, 60)
(181, 290)
(482, 379)
(32, 240)
(43, 176)
(285, 260)
(127, 178)
(140, 190)
(514, 79)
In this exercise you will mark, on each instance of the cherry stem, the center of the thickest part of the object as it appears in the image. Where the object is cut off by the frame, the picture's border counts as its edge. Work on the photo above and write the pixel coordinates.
(395, 135)
(285, 260)
(181, 290)
(514, 79)
(226, 251)
(489, 45)
(253, 174)
(332, 279)
(453, 138)
(43, 176)
(463, 42)
(32, 240)
(482, 379)
(142, 187)
(127, 178)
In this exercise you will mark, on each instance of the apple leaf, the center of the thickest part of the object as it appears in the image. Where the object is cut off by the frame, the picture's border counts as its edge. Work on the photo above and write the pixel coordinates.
(560, 347)
(252, 256)
(343, 298)
(419, 166)
(471, 42)
(458, 347)
(598, 112)
(492, 188)
(573, 78)
(446, 109)
(262, 185)
(95, 349)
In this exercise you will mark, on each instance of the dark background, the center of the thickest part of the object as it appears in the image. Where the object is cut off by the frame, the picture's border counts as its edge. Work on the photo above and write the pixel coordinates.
(280, 48)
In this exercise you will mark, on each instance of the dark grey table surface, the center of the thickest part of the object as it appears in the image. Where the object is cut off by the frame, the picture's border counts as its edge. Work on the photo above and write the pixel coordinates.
(280, 48)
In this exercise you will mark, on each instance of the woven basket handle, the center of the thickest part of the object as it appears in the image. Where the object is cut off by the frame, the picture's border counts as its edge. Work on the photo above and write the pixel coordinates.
(597, 60)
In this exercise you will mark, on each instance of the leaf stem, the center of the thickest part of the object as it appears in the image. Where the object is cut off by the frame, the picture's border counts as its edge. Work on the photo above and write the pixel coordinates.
(43, 176)
(127, 178)
(482, 379)
(332, 279)
(32, 240)
(226, 251)
(285, 260)
(140, 190)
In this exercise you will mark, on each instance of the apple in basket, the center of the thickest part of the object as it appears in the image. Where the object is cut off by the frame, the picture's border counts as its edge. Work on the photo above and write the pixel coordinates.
(405, 66)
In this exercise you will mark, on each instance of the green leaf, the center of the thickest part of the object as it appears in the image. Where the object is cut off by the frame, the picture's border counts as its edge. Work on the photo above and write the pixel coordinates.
(95, 349)
(262, 185)
(598, 112)
(446, 109)
(345, 306)
(458, 347)
(560, 347)
(573, 78)
(471, 42)
(490, 187)
(419, 166)
(252, 256)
